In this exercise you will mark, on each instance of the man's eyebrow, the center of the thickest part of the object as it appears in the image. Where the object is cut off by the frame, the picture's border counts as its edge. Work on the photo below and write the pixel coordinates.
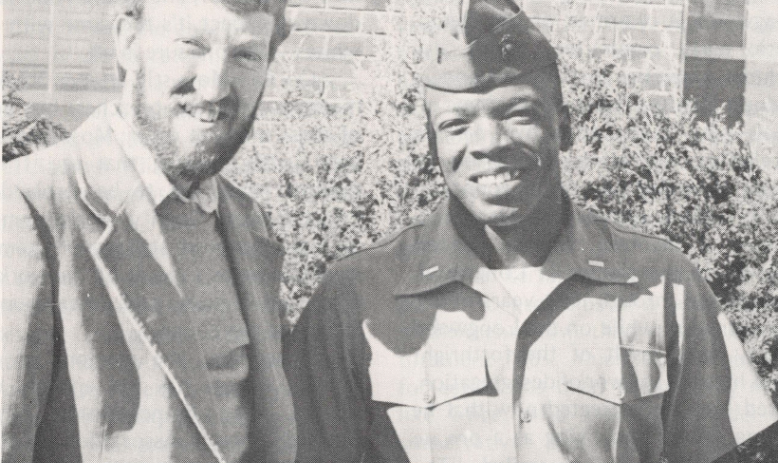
(251, 41)
(449, 112)
(521, 99)
(444, 106)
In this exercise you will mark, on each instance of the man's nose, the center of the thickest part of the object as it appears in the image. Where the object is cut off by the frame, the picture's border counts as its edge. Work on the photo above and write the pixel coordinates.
(212, 81)
(487, 136)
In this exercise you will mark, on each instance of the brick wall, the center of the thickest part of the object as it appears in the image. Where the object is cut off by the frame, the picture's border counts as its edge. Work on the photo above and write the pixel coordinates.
(333, 36)
(331, 39)
(646, 34)
(78, 62)
(761, 97)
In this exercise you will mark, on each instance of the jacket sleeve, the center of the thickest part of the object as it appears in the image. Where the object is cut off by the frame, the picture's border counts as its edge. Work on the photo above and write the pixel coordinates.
(716, 399)
(323, 363)
(27, 320)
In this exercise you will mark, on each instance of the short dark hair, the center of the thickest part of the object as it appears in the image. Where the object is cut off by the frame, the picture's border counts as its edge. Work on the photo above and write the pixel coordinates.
(276, 8)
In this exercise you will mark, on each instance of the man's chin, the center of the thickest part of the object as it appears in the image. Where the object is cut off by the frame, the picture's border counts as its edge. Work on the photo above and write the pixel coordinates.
(206, 158)
(196, 166)
(494, 214)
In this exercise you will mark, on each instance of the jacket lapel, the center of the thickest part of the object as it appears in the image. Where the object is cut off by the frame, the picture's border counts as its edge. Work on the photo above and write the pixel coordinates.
(138, 271)
(256, 262)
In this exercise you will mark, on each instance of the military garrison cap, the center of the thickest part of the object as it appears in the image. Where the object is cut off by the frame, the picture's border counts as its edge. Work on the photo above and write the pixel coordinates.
(482, 44)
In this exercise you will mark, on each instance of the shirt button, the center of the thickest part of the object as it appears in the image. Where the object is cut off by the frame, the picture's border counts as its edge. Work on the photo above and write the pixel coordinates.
(525, 416)
(620, 392)
(428, 396)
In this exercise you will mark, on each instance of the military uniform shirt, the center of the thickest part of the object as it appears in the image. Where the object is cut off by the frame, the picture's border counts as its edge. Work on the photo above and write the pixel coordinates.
(406, 354)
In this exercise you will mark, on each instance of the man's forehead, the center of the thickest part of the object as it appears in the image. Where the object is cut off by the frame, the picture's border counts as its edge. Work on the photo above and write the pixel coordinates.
(537, 88)
(210, 16)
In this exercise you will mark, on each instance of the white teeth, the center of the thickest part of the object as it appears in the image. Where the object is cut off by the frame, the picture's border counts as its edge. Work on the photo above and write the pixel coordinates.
(205, 115)
(497, 179)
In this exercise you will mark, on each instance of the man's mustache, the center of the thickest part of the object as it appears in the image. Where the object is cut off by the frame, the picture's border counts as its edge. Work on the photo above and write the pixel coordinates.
(188, 97)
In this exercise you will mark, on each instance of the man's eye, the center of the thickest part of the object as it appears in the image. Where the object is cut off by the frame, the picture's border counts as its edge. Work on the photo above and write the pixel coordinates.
(250, 58)
(453, 127)
(521, 117)
(193, 45)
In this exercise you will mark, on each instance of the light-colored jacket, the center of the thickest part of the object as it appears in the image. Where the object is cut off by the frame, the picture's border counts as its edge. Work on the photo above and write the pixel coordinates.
(100, 360)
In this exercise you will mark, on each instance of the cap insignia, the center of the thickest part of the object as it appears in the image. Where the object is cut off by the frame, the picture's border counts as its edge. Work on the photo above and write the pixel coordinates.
(508, 44)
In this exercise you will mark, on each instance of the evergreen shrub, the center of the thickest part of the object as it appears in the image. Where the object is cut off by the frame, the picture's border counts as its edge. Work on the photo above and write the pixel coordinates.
(23, 133)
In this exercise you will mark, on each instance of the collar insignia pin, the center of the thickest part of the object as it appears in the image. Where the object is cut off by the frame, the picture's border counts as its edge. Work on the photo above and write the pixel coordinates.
(596, 263)
(430, 270)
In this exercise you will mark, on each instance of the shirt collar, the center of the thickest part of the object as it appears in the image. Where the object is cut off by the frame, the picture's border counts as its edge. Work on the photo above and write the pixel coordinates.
(441, 256)
(206, 195)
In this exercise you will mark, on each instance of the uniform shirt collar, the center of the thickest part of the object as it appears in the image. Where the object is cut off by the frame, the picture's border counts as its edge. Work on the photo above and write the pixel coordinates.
(442, 257)
(206, 196)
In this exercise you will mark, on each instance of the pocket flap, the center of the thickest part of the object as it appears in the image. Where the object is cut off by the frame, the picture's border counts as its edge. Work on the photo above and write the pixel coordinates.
(426, 380)
(642, 373)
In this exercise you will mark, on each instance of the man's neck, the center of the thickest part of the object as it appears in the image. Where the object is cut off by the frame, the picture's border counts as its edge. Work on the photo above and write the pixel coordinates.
(185, 187)
(526, 244)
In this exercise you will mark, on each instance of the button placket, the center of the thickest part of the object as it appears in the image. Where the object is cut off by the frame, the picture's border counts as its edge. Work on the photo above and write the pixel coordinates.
(620, 392)
(428, 396)
(523, 415)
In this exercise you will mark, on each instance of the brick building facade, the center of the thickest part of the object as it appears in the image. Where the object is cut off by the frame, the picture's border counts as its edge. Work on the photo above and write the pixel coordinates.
(62, 48)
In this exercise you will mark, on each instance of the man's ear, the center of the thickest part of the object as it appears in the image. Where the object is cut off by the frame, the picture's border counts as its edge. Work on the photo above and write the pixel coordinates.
(433, 142)
(431, 139)
(565, 129)
(125, 33)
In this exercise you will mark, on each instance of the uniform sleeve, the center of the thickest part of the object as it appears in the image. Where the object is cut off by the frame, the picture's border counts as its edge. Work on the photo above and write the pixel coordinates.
(27, 321)
(716, 400)
(323, 364)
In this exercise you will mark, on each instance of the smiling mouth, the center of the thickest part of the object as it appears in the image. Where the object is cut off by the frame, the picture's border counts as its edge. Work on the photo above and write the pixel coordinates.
(203, 114)
(498, 178)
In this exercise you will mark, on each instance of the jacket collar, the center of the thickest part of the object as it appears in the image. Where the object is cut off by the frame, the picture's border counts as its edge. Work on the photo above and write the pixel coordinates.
(441, 256)
(106, 178)
(110, 186)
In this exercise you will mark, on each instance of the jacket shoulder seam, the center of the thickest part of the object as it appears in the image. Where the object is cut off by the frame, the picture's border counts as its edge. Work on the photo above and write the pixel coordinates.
(382, 244)
(632, 231)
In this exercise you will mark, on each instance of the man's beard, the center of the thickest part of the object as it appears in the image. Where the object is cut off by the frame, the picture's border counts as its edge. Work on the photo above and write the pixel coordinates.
(208, 156)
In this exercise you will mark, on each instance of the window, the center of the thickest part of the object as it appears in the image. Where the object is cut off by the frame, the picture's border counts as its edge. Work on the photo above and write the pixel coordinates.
(715, 57)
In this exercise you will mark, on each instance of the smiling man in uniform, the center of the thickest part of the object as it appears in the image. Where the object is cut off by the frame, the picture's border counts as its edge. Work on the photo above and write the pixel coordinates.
(511, 325)
(140, 306)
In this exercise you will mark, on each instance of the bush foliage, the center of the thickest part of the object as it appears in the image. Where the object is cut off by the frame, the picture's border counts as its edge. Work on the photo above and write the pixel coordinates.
(338, 177)
(345, 174)
(694, 183)
(22, 133)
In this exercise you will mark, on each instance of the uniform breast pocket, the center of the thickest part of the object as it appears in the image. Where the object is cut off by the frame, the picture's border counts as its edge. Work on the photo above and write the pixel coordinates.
(618, 406)
(632, 373)
(427, 395)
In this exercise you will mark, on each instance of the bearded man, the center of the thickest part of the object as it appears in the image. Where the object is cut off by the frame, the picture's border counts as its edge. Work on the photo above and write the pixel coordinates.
(511, 326)
(140, 289)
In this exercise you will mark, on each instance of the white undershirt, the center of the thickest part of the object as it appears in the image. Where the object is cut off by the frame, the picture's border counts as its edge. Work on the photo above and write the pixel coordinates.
(518, 291)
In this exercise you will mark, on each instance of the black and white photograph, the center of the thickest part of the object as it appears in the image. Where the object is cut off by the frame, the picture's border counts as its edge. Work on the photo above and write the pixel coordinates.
(390, 231)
